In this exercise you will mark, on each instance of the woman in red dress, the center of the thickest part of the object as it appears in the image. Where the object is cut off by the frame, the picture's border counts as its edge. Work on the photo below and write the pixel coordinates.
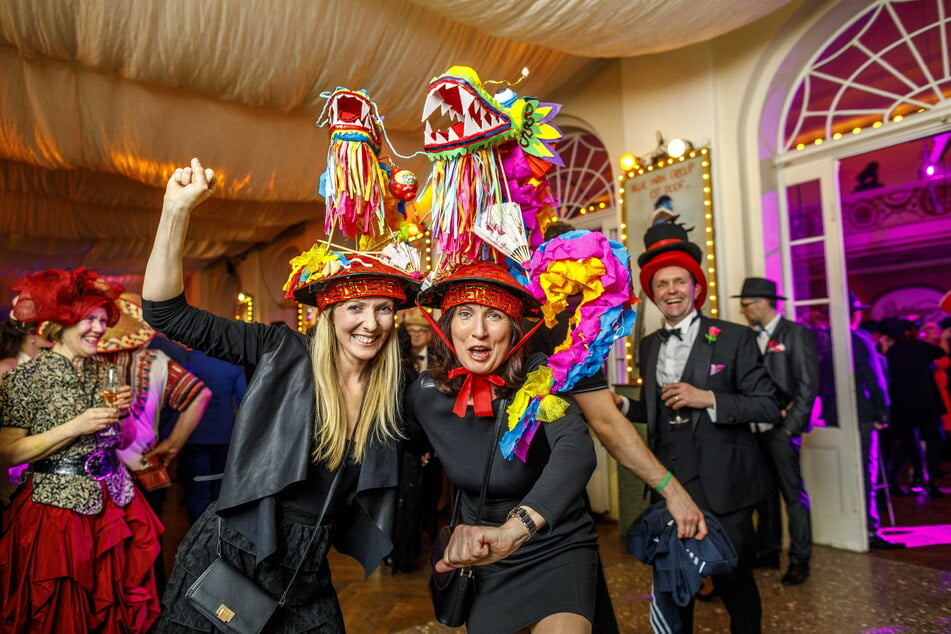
(78, 542)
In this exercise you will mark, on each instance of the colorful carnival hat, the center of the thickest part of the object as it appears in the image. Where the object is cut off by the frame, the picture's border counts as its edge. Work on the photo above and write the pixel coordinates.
(64, 296)
(330, 277)
(485, 283)
(131, 331)
(666, 244)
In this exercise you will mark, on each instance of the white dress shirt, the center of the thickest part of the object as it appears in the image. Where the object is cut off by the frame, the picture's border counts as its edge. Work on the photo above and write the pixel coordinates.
(673, 354)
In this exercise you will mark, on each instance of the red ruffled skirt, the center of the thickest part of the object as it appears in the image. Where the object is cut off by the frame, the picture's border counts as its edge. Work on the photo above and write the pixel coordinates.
(64, 572)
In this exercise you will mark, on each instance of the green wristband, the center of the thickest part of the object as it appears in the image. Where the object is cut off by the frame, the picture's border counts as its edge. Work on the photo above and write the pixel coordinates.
(663, 483)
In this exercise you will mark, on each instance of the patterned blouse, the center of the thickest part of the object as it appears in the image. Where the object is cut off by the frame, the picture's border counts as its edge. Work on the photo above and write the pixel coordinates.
(47, 392)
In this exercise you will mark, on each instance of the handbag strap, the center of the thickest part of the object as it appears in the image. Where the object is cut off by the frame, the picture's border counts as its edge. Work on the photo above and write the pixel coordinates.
(310, 542)
(488, 468)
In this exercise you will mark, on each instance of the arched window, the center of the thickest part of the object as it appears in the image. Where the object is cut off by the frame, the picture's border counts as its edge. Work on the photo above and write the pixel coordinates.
(891, 61)
(585, 184)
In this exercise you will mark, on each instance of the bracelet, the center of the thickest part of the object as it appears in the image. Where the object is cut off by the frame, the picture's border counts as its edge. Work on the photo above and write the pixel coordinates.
(663, 483)
(525, 519)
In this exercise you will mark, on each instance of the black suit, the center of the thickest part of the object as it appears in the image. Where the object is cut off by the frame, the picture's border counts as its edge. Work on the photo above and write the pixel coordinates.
(872, 403)
(717, 462)
(792, 361)
(916, 405)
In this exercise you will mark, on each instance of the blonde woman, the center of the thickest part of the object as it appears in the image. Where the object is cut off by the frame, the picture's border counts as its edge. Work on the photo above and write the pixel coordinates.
(312, 409)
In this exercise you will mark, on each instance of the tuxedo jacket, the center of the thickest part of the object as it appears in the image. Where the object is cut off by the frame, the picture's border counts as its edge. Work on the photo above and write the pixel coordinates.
(792, 362)
(730, 468)
(871, 385)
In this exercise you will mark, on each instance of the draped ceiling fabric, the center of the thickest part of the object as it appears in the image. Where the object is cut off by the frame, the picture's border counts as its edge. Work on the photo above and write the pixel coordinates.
(102, 99)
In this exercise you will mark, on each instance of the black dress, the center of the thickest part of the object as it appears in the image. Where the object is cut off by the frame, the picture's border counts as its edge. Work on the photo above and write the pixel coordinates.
(555, 571)
(311, 603)
(271, 485)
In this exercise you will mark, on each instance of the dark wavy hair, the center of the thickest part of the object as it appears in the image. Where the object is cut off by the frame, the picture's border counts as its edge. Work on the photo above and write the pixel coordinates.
(512, 369)
(12, 334)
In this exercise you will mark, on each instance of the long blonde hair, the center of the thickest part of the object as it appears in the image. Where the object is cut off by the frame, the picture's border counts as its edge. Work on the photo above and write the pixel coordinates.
(379, 412)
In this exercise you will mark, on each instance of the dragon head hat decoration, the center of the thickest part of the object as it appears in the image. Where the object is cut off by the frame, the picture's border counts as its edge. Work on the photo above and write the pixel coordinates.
(361, 192)
(364, 199)
(490, 154)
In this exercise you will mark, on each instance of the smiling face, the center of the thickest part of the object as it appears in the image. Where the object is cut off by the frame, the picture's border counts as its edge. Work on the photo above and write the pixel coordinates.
(419, 336)
(362, 326)
(80, 339)
(482, 336)
(675, 292)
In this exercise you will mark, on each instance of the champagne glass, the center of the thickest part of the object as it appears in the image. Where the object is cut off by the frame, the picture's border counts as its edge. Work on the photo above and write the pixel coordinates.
(675, 417)
(110, 393)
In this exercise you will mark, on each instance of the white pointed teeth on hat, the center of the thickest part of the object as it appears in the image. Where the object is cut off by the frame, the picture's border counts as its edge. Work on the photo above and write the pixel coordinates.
(352, 110)
(465, 115)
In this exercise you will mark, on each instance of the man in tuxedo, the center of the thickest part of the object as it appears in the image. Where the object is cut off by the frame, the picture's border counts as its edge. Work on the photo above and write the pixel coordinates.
(703, 386)
(790, 357)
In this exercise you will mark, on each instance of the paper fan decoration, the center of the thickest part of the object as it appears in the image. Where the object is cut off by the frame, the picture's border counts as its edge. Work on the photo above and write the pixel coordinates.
(402, 256)
(502, 228)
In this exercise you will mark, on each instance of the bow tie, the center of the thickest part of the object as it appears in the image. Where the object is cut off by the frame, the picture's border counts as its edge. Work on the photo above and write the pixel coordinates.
(665, 334)
(762, 332)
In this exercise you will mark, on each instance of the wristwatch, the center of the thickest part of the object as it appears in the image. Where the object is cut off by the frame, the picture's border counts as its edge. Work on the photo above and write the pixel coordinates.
(525, 519)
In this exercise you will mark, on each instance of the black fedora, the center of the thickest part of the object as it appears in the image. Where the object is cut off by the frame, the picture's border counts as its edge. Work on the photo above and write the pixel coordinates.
(759, 287)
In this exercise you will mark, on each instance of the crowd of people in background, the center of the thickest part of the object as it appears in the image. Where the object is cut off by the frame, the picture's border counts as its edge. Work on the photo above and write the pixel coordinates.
(286, 444)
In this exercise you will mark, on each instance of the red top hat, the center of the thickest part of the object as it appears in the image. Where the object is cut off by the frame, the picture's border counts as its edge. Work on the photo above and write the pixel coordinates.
(666, 245)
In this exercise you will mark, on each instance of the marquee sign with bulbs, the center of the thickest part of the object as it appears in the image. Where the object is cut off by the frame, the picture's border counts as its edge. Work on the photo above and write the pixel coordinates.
(673, 184)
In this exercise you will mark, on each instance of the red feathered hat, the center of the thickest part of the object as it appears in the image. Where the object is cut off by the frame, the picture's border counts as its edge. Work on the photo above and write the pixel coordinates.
(666, 244)
(65, 297)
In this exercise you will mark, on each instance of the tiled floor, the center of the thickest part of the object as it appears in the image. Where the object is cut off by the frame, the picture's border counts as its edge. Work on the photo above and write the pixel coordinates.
(902, 591)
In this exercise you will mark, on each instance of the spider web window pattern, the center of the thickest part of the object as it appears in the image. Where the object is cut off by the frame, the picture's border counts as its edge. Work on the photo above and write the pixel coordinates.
(585, 184)
(889, 62)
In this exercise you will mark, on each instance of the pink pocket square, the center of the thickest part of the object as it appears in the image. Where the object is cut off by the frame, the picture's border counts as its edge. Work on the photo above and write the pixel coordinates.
(716, 368)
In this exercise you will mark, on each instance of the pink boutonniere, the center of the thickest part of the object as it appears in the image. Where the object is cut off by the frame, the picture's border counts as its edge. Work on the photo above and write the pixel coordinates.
(774, 346)
(712, 334)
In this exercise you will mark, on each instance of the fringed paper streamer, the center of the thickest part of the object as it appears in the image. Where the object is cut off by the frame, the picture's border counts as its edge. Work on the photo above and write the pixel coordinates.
(463, 188)
(354, 187)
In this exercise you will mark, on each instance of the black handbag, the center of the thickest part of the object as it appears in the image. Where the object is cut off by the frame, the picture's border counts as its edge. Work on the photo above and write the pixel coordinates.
(232, 602)
(452, 591)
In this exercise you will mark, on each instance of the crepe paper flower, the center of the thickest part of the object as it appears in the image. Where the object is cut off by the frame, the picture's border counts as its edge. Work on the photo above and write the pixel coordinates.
(576, 264)
(775, 346)
(533, 403)
(712, 333)
(311, 265)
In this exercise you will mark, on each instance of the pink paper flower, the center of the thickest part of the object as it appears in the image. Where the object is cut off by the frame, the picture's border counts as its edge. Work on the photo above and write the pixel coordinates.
(712, 334)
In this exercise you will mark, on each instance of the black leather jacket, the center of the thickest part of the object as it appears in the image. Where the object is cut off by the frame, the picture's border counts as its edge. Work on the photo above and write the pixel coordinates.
(272, 440)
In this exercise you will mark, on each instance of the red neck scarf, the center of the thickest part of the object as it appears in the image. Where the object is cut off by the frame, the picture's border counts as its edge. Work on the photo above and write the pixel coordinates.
(476, 386)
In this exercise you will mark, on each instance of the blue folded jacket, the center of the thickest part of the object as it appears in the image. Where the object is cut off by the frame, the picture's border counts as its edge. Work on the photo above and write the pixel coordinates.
(679, 564)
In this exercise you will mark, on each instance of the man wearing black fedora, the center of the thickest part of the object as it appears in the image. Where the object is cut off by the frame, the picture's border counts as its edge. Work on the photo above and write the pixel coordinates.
(703, 386)
(792, 361)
